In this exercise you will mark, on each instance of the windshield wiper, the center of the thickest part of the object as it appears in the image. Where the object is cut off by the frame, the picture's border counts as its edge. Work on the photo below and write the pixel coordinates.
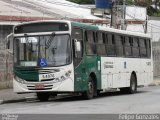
(49, 41)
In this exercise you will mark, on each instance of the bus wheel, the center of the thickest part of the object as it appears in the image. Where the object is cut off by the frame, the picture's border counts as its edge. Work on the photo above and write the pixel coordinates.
(133, 84)
(42, 96)
(89, 94)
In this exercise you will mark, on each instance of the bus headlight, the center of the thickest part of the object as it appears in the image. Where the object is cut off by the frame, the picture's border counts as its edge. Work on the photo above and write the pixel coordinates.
(60, 79)
(19, 80)
(67, 74)
(63, 77)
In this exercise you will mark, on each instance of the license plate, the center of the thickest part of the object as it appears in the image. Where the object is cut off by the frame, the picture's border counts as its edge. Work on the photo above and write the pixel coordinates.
(39, 86)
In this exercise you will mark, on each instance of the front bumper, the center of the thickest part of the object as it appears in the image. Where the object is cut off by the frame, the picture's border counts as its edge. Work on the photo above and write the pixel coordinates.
(30, 87)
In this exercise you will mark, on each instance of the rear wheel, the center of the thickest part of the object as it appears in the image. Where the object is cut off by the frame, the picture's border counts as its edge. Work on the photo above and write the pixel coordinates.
(42, 96)
(133, 86)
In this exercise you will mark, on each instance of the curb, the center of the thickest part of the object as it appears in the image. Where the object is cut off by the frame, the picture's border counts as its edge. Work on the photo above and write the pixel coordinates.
(12, 101)
(17, 100)
(154, 84)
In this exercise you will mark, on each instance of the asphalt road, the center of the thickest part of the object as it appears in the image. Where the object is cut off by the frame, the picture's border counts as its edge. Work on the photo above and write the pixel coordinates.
(146, 100)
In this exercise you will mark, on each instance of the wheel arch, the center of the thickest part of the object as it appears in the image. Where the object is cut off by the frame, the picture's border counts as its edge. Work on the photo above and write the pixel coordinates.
(94, 78)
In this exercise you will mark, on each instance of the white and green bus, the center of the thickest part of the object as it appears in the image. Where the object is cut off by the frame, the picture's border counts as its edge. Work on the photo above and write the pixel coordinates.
(54, 57)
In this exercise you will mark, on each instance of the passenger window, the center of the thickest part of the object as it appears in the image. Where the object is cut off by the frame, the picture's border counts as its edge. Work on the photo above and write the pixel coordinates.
(143, 50)
(110, 45)
(100, 44)
(119, 45)
(90, 44)
(109, 42)
(128, 46)
(100, 37)
(148, 44)
(106, 38)
(90, 36)
(77, 34)
(135, 47)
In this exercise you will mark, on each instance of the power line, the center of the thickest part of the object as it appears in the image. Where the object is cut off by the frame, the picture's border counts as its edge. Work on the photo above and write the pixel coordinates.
(151, 25)
(64, 4)
(71, 5)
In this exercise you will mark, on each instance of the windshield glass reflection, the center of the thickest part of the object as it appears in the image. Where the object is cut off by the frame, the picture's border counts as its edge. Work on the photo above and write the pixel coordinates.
(53, 50)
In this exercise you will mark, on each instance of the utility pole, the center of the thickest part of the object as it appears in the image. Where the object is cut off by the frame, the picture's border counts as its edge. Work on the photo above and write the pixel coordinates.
(146, 25)
(123, 16)
(113, 14)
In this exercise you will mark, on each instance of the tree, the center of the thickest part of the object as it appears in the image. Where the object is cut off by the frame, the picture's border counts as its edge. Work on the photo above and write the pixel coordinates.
(144, 3)
(128, 2)
(156, 3)
(151, 11)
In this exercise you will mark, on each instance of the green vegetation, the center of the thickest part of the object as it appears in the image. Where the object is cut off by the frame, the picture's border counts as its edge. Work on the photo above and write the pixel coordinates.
(128, 2)
(151, 11)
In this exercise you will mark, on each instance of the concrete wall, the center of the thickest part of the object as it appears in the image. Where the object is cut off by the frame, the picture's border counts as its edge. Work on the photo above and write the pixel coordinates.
(5, 58)
(156, 58)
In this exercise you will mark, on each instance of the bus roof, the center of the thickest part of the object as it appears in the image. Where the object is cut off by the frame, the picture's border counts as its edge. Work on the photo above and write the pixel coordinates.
(112, 30)
(92, 27)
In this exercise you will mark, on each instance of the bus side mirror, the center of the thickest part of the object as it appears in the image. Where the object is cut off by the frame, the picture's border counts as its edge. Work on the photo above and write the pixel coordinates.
(77, 46)
(9, 43)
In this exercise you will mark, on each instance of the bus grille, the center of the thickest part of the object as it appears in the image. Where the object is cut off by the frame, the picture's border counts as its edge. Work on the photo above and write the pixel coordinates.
(47, 79)
(45, 87)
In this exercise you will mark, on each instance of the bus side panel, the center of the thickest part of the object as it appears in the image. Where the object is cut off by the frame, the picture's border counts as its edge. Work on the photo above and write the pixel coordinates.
(116, 72)
(79, 76)
(107, 72)
(92, 64)
(146, 71)
(121, 71)
(132, 65)
(88, 65)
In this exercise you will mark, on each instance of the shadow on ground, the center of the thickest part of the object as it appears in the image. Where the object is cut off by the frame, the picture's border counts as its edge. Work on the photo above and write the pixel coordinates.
(100, 96)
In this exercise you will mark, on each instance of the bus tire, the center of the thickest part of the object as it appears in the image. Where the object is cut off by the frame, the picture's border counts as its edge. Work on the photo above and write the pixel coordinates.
(43, 96)
(133, 84)
(89, 94)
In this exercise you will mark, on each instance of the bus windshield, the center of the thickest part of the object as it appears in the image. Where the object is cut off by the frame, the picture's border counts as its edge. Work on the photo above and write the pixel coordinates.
(41, 51)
